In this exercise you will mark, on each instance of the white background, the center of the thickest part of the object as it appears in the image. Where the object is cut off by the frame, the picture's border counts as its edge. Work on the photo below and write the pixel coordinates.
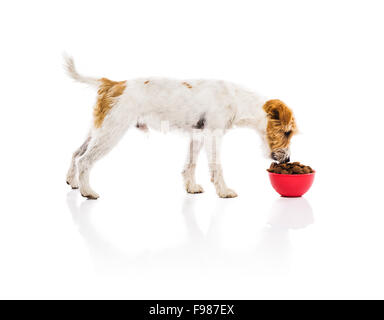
(145, 237)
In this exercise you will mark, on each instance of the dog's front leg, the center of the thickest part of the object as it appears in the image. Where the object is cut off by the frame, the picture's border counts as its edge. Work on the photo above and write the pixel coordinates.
(212, 147)
(195, 146)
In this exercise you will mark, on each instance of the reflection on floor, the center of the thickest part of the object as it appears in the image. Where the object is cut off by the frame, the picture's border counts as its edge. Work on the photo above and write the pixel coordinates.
(270, 255)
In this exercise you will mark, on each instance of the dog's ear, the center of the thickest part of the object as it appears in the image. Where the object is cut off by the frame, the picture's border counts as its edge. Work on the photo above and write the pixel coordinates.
(278, 110)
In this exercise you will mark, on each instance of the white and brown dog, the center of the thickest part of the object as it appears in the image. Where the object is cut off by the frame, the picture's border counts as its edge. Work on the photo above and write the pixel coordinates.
(205, 109)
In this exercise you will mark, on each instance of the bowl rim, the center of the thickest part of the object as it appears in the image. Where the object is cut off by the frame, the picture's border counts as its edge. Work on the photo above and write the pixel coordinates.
(292, 175)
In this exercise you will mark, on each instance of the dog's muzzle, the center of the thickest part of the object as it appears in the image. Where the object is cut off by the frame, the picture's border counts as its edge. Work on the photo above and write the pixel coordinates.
(281, 155)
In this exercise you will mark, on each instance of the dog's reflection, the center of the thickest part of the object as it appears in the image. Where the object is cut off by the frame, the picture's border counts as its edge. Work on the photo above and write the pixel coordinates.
(271, 254)
(103, 253)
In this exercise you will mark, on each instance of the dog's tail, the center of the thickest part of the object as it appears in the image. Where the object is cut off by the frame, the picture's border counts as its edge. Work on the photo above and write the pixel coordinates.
(69, 65)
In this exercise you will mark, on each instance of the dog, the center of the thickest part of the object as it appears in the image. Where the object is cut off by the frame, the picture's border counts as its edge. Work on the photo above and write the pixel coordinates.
(204, 109)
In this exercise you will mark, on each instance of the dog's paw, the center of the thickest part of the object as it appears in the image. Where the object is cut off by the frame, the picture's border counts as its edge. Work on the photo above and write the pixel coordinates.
(91, 195)
(73, 183)
(196, 188)
(228, 193)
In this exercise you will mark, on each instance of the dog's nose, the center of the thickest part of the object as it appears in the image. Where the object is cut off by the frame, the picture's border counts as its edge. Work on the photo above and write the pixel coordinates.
(288, 159)
(285, 160)
(273, 156)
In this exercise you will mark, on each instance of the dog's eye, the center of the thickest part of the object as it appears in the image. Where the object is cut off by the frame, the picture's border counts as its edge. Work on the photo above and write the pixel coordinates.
(288, 133)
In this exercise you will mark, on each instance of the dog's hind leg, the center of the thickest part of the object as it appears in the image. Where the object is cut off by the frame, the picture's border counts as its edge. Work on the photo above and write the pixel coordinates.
(212, 147)
(195, 146)
(103, 140)
(72, 172)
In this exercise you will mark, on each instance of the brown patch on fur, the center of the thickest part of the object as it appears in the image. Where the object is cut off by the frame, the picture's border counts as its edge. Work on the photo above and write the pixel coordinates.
(281, 124)
(146, 82)
(108, 92)
(187, 85)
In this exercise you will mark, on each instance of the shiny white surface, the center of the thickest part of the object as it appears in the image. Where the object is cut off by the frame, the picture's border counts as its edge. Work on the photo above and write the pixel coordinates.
(146, 238)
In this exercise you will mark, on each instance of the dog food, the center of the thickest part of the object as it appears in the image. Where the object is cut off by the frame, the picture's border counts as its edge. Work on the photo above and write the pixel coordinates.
(289, 168)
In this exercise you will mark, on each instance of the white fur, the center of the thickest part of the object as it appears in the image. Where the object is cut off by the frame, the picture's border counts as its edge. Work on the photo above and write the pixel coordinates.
(169, 103)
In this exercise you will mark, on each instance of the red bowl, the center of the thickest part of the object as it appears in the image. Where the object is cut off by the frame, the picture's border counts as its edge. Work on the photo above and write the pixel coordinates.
(291, 185)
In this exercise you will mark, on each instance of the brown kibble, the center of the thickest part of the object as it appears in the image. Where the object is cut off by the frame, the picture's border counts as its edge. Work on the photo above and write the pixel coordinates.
(296, 169)
(289, 168)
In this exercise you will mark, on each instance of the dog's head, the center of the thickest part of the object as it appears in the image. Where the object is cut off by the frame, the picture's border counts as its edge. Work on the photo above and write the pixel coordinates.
(281, 126)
